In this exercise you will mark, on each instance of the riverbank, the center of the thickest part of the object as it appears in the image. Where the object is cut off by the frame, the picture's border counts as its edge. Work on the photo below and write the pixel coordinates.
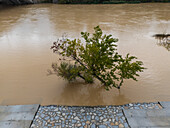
(88, 117)
(20, 2)
(131, 115)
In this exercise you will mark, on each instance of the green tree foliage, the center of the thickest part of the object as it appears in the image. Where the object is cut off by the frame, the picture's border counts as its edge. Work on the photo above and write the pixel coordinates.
(96, 58)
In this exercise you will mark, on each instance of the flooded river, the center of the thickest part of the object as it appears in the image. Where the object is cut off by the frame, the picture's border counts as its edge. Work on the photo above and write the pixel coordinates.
(27, 32)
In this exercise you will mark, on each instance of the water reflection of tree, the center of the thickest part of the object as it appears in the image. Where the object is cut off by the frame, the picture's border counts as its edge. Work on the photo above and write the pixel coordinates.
(166, 45)
(121, 99)
(79, 93)
(163, 40)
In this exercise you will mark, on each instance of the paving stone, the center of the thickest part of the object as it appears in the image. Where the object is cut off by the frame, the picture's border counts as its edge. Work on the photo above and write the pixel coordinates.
(165, 104)
(19, 108)
(87, 117)
(102, 126)
(17, 116)
(149, 122)
(15, 124)
(147, 113)
(148, 118)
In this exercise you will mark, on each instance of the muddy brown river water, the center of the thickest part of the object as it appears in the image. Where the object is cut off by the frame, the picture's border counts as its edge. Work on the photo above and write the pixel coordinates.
(27, 32)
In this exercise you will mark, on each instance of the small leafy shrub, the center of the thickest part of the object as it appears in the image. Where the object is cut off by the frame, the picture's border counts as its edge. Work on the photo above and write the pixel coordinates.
(71, 72)
(96, 58)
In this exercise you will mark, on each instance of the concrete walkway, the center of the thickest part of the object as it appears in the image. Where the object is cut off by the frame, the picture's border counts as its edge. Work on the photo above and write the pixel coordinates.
(17, 116)
(149, 118)
(54, 116)
(139, 115)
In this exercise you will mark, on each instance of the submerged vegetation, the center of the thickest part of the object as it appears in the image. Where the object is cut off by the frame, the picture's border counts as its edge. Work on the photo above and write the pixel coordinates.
(97, 57)
(163, 40)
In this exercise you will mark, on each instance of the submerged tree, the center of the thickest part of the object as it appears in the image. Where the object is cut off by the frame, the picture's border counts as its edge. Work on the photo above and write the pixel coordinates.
(96, 58)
